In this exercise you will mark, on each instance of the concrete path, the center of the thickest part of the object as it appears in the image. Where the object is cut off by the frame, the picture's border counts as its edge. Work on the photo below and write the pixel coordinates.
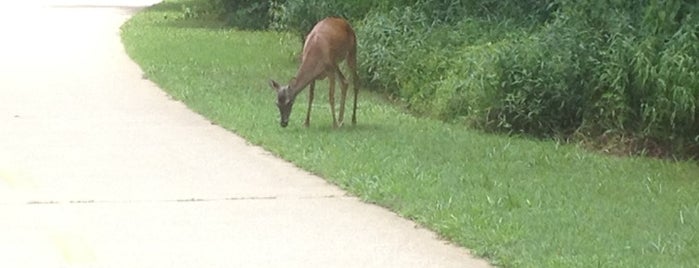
(99, 168)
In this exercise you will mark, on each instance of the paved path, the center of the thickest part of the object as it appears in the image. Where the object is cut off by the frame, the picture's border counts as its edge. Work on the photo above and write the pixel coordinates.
(99, 168)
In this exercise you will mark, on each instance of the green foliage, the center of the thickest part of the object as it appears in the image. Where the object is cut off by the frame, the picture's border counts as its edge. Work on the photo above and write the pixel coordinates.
(640, 71)
(299, 16)
(546, 68)
(537, 91)
(247, 14)
(241, 14)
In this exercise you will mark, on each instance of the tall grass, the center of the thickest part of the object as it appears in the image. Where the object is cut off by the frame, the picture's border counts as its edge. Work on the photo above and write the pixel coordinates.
(618, 75)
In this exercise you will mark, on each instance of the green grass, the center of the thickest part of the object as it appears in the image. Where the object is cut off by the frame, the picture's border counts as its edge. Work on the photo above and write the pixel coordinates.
(514, 201)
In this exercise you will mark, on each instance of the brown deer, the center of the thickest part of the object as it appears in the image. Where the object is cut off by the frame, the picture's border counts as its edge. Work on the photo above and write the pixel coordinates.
(331, 41)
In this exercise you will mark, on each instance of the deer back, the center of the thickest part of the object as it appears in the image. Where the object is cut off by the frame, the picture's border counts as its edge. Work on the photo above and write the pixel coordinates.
(328, 44)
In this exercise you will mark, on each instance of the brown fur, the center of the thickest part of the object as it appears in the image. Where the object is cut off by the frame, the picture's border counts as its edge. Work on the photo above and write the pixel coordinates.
(330, 42)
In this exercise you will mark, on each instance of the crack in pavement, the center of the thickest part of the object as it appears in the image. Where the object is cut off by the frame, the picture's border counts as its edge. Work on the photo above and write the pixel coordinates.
(179, 200)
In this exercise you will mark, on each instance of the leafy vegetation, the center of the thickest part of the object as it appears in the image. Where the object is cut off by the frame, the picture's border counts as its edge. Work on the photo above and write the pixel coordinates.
(517, 202)
(618, 75)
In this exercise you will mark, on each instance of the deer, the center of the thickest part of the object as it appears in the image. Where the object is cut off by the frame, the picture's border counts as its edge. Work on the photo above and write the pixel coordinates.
(331, 41)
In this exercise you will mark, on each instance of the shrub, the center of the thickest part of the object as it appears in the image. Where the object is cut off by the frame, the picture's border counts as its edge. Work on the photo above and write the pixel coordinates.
(640, 72)
(247, 14)
(537, 93)
(299, 16)
(389, 45)
(242, 14)
(467, 91)
(545, 68)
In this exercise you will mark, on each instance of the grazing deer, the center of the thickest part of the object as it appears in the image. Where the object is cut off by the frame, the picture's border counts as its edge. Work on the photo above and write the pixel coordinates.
(330, 42)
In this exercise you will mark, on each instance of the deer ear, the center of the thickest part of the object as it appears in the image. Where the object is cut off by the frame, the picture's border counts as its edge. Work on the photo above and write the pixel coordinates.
(274, 85)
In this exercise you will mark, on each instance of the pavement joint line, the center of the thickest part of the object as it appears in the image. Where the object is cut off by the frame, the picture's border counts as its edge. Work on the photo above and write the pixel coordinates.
(180, 200)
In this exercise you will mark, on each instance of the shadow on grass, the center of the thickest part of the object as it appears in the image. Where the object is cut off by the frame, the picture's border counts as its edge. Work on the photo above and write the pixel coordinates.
(347, 128)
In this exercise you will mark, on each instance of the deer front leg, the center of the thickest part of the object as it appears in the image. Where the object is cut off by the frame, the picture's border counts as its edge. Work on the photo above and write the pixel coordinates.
(311, 88)
(331, 97)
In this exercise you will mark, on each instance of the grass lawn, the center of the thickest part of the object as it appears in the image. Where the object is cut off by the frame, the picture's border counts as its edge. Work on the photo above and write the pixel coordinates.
(516, 202)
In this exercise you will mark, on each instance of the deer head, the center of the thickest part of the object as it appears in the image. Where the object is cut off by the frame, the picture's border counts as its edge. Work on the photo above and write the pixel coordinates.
(285, 100)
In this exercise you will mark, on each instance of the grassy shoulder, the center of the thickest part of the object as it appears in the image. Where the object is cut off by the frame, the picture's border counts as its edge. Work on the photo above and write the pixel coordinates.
(516, 202)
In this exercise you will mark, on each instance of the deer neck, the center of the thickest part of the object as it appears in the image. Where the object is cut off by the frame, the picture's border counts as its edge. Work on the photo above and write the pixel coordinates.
(309, 71)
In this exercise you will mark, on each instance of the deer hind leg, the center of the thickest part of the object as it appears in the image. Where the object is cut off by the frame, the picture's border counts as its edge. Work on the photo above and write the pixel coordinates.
(331, 97)
(311, 88)
(352, 64)
(343, 96)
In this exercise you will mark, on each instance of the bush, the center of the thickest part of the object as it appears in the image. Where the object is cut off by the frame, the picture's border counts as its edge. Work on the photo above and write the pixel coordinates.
(641, 80)
(545, 68)
(537, 93)
(247, 14)
(299, 16)
(241, 14)
(592, 67)
(467, 92)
